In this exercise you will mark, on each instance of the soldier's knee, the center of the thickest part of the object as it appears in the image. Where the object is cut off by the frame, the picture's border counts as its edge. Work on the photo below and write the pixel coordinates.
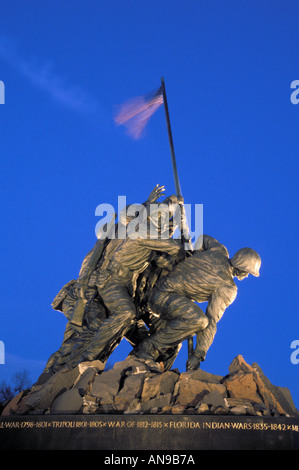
(203, 322)
(200, 322)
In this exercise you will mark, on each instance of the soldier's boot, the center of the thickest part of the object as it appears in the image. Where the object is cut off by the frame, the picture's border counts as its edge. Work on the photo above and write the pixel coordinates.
(146, 350)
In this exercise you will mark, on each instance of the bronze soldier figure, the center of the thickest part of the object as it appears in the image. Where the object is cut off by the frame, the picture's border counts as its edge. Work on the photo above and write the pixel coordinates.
(206, 276)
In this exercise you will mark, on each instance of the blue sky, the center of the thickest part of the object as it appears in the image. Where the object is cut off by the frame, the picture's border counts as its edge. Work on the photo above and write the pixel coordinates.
(228, 67)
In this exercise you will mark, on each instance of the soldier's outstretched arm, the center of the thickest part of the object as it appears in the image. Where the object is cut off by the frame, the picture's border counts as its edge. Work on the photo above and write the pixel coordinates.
(220, 300)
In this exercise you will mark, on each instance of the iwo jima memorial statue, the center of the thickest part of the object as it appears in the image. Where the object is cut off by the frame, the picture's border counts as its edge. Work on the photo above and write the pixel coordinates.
(141, 283)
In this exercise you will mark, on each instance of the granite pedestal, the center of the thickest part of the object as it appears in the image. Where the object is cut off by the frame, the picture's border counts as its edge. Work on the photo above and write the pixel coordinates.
(148, 432)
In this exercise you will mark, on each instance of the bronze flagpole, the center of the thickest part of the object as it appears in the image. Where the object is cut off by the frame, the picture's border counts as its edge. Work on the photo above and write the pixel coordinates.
(174, 166)
(176, 180)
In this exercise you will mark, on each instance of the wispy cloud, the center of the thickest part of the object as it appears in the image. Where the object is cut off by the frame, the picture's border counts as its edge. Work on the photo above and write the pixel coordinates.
(41, 73)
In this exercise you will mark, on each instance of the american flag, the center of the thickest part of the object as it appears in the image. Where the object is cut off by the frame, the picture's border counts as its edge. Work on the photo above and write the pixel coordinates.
(135, 113)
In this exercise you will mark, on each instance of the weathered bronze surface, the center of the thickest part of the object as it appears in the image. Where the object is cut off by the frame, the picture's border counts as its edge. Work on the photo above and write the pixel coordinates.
(146, 289)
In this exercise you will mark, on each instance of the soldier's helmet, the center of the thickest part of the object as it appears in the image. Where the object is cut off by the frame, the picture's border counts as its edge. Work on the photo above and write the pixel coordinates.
(248, 260)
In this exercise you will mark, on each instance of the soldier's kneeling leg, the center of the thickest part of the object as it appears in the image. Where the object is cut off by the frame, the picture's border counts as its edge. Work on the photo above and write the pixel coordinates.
(183, 319)
(122, 315)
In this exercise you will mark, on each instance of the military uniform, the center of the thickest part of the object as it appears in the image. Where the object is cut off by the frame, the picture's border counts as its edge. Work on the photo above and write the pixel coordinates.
(206, 276)
(116, 283)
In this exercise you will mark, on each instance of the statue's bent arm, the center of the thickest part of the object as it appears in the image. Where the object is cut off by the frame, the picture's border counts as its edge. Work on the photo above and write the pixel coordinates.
(220, 300)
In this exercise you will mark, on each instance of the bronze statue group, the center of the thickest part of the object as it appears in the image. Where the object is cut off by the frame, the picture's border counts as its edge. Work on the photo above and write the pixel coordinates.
(147, 289)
